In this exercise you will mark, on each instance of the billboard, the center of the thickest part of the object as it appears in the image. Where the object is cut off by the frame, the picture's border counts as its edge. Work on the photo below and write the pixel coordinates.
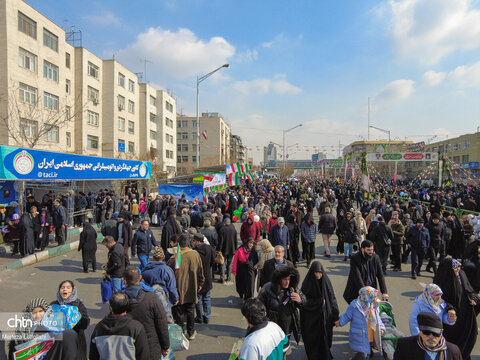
(417, 147)
(402, 157)
(191, 191)
(28, 164)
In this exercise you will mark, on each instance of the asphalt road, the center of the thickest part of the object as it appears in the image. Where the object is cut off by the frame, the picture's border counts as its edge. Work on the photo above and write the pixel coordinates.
(215, 340)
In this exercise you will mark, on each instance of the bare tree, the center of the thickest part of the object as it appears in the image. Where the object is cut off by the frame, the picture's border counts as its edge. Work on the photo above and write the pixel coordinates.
(27, 122)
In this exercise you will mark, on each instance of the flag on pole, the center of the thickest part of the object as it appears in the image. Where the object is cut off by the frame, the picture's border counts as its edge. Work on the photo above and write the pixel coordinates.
(237, 168)
(178, 258)
(395, 173)
(234, 179)
(204, 134)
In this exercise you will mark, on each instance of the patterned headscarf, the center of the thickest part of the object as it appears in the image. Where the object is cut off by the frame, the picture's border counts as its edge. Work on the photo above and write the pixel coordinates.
(456, 264)
(367, 300)
(430, 291)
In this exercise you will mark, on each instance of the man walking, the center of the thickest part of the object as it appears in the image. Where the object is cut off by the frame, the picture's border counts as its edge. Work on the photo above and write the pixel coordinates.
(115, 266)
(190, 280)
(279, 235)
(142, 243)
(418, 241)
(59, 220)
(309, 233)
(207, 254)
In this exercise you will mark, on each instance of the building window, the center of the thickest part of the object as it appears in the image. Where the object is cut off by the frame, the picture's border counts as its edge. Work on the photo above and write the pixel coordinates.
(194, 147)
(50, 71)
(50, 101)
(121, 145)
(466, 145)
(131, 86)
(179, 147)
(131, 127)
(67, 60)
(67, 113)
(184, 124)
(121, 102)
(194, 158)
(184, 147)
(92, 70)
(153, 135)
(29, 128)
(93, 94)
(153, 101)
(27, 60)
(194, 136)
(184, 136)
(169, 122)
(28, 94)
(92, 142)
(121, 80)
(131, 107)
(169, 154)
(67, 86)
(93, 118)
(121, 124)
(131, 147)
(153, 117)
(170, 137)
(194, 124)
(179, 159)
(27, 25)
(168, 106)
(184, 159)
(52, 134)
(456, 159)
(465, 158)
(50, 40)
(69, 138)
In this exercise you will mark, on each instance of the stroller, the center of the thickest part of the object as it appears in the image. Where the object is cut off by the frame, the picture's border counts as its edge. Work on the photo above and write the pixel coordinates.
(392, 334)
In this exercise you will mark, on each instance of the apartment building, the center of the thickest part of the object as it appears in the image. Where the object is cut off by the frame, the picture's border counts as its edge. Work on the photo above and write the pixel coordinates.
(120, 106)
(63, 98)
(214, 150)
(36, 80)
(238, 151)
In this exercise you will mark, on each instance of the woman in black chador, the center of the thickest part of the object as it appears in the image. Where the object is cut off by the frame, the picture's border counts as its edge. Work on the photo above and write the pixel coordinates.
(458, 292)
(318, 315)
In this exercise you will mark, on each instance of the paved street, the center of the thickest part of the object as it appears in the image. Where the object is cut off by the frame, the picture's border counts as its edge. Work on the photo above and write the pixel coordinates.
(215, 340)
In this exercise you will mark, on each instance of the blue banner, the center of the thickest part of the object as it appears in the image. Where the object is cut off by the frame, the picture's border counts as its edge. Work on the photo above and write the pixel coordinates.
(27, 164)
(191, 191)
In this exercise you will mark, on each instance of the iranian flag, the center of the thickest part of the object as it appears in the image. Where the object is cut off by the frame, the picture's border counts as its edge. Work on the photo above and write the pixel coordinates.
(178, 258)
(235, 168)
(204, 134)
(234, 179)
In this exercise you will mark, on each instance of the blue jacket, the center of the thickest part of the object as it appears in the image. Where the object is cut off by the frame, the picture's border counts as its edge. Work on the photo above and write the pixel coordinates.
(158, 273)
(142, 242)
(418, 238)
(59, 217)
(358, 335)
(279, 239)
(309, 232)
(420, 305)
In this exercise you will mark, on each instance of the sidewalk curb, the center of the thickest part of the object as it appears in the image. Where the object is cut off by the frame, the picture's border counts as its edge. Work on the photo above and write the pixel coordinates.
(50, 253)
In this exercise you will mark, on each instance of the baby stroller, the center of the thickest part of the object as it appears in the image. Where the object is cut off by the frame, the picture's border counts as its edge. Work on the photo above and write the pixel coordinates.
(392, 334)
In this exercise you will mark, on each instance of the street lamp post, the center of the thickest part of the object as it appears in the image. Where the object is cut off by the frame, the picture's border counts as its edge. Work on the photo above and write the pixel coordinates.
(284, 132)
(199, 80)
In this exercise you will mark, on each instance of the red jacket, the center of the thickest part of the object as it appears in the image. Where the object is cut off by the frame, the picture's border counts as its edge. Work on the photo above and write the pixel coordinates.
(250, 230)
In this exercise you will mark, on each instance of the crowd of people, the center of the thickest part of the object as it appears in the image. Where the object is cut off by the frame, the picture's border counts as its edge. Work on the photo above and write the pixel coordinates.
(280, 224)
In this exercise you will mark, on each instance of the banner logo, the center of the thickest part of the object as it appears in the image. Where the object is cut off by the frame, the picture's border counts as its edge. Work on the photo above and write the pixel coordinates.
(23, 163)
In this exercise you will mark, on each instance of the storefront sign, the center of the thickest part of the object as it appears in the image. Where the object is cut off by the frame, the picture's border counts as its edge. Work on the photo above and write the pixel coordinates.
(27, 164)
(402, 157)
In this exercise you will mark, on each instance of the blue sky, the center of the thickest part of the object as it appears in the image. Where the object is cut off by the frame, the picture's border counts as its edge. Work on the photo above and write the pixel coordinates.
(310, 62)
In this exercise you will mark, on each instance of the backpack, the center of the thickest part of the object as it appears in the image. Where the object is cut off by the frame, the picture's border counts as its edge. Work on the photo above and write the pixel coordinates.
(158, 290)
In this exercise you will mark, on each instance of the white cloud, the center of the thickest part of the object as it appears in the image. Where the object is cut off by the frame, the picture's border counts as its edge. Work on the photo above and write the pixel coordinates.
(395, 91)
(428, 30)
(275, 41)
(466, 76)
(247, 56)
(262, 86)
(104, 19)
(432, 78)
(177, 54)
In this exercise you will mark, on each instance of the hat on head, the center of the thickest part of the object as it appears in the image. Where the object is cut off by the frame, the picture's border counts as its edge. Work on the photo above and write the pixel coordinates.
(198, 237)
(430, 322)
(436, 216)
(281, 220)
(420, 220)
(37, 303)
(158, 253)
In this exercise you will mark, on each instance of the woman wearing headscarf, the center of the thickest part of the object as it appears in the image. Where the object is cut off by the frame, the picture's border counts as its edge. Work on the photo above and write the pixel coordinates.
(66, 349)
(318, 314)
(366, 327)
(29, 227)
(458, 292)
(171, 227)
(88, 246)
(243, 268)
(431, 301)
(67, 295)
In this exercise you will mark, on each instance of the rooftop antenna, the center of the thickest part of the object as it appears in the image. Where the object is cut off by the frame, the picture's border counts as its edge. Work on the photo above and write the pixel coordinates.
(145, 61)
